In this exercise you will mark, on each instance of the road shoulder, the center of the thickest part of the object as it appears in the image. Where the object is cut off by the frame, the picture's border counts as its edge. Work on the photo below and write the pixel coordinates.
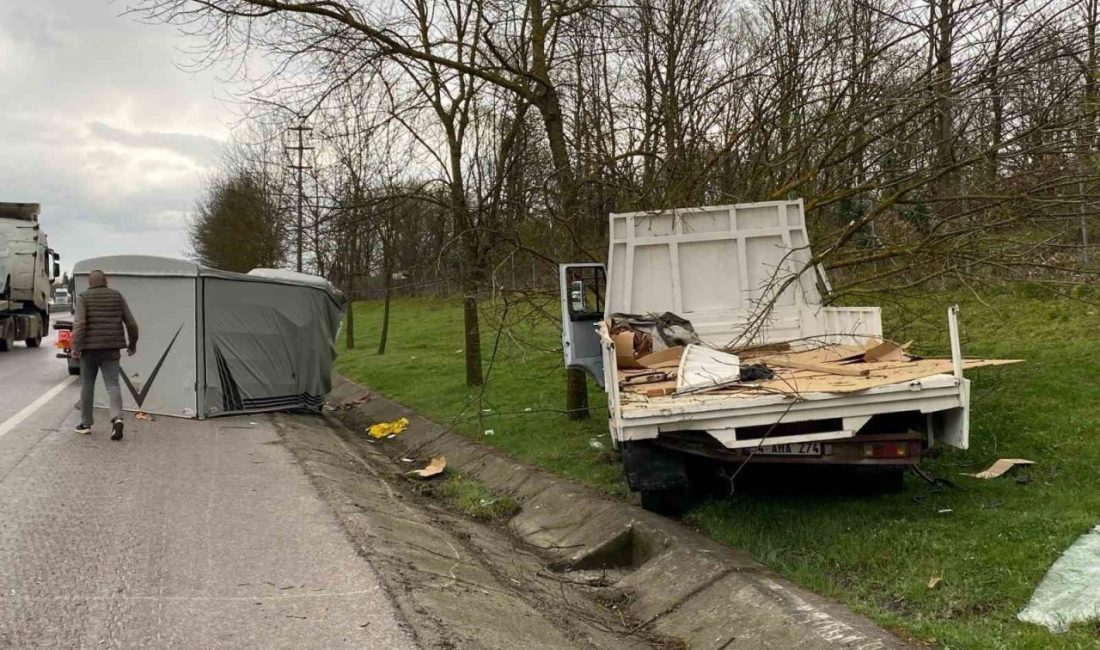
(673, 581)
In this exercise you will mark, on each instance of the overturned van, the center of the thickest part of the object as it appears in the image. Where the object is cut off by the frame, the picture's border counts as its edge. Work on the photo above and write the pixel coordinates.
(218, 343)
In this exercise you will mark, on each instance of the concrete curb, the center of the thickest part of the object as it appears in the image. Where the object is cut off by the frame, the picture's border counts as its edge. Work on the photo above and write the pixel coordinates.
(679, 582)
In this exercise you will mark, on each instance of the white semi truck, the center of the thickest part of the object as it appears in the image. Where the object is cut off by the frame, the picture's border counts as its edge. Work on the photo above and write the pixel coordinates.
(27, 269)
(742, 276)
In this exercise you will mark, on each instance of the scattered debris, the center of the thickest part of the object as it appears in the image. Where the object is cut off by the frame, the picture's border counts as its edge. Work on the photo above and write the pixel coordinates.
(489, 432)
(886, 351)
(702, 368)
(347, 405)
(657, 331)
(756, 372)
(594, 443)
(406, 460)
(388, 429)
(787, 361)
(435, 467)
(787, 367)
(1001, 466)
(933, 581)
(945, 511)
(143, 416)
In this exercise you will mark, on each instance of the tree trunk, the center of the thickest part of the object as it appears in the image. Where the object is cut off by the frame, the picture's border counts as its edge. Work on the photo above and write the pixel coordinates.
(474, 375)
(349, 325)
(386, 263)
(549, 106)
(576, 394)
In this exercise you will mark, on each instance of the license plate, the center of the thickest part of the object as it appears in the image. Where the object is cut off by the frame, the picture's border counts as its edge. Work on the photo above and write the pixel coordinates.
(792, 449)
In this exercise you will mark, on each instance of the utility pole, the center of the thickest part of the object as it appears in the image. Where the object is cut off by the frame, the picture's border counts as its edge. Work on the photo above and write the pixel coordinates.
(301, 148)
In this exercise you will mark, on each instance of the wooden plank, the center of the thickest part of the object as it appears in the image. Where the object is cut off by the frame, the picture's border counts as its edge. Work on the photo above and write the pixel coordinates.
(827, 368)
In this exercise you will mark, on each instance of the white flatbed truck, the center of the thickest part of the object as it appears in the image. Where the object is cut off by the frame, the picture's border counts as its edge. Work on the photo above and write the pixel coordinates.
(716, 266)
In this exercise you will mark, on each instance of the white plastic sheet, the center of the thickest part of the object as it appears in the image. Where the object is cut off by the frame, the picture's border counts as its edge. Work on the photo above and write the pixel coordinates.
(1070, 591)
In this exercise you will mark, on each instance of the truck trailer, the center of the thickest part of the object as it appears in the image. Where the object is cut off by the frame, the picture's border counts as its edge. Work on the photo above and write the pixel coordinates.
(27, 269)
(740, 360)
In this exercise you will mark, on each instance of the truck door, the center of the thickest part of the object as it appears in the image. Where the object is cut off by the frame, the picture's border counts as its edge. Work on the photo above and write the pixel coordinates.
(583, 293)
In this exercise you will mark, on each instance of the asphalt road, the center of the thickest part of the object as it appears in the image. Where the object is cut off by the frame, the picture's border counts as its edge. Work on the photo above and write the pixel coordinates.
(185, 534)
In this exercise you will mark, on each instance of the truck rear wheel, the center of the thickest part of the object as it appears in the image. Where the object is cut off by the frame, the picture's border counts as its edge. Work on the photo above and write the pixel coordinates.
(7, 337)
(669, 502)
(33, 342)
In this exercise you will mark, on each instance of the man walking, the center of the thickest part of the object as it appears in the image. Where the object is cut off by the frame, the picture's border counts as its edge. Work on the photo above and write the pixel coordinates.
(101, 314)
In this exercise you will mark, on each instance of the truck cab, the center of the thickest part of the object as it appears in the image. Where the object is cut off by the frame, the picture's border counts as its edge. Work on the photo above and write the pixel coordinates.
(28, 267)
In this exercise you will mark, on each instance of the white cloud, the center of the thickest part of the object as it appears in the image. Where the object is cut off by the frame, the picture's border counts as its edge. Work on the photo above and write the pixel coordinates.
(102, 127)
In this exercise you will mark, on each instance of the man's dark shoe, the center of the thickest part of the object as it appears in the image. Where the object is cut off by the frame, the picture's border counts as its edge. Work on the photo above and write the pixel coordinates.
(116, 428)
(83, 428)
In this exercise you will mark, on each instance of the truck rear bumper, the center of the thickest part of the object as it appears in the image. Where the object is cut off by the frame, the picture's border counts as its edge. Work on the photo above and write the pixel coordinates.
(879, 450)
(737, 423)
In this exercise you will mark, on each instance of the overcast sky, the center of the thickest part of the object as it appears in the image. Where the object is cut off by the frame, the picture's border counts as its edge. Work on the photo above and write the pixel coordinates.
(101, 126)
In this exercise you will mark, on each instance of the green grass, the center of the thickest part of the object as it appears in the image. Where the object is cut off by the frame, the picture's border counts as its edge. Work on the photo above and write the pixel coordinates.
(474, 499)
(877, 554)
(521, 404)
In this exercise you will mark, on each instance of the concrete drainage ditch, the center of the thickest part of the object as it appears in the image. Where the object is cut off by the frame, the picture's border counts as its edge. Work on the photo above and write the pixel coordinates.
(672, 582)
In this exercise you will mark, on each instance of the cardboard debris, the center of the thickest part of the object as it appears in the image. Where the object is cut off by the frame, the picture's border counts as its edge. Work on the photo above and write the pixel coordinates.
(434, 468)
(814, 366)
(667, 358)
(624, 351)
(1001, 466)
(143, 416)
(886, 351)
(387, 429)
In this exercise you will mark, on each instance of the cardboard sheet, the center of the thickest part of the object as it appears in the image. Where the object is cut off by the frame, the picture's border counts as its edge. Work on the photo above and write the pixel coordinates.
(434, 468)
(1001, 466)
(624, 351)
(886, 351)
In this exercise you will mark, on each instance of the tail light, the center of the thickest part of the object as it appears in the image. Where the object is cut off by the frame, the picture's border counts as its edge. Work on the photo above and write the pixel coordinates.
(886, 450)
(64, 339)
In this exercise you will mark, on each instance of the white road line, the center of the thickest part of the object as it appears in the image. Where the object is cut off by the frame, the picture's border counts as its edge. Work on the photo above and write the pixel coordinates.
(29, 409)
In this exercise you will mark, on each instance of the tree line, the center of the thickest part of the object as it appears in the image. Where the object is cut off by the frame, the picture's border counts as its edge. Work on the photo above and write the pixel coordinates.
(478, 143)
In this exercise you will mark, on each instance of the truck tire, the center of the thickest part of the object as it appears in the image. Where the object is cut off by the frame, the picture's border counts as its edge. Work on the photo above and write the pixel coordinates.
(33, 342)
(671, 502)
(891, 481)
(7, 340)
(878, 480)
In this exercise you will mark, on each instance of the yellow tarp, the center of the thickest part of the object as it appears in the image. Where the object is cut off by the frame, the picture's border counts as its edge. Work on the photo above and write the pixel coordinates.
(383, 429)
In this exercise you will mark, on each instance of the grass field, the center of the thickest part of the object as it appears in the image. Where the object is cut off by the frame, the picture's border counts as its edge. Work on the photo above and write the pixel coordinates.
(878, 554)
